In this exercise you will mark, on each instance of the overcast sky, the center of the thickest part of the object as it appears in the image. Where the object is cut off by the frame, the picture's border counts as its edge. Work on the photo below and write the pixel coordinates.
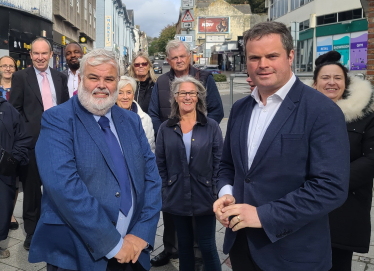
(154, 15)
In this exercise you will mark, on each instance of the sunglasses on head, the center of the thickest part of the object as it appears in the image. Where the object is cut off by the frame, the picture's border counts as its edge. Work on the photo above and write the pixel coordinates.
(144, 64)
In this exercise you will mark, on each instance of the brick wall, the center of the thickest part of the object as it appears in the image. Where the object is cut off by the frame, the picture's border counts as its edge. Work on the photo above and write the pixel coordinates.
(370, 65)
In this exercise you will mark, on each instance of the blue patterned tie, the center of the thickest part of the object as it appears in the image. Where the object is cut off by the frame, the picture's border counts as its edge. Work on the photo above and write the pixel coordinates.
(119, 164)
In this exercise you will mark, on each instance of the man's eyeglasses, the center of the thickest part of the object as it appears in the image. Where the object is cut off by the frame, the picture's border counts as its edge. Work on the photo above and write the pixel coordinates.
(11, 67)
(143, 64)
(184, 94)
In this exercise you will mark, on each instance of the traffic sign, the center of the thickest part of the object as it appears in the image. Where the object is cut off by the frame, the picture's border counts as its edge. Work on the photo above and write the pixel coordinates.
(185, 38)
(187, 25)
(188, 4)
(188, 17)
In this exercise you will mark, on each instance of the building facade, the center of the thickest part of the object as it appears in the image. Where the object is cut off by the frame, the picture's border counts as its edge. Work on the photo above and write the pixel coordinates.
(72, 19)
(115, 30)
(319, 26)
(22, 22)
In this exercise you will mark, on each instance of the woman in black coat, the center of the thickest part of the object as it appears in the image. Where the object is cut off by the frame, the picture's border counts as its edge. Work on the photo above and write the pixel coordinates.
(188, 151)
(350, 224)
(14, 140)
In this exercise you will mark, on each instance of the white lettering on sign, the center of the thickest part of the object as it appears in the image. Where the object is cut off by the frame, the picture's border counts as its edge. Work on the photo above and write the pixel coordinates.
(360, 45)
(207, 24)
(108, 31)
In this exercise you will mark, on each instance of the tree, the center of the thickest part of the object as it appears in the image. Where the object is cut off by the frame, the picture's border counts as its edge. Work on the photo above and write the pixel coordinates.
(257, 6)
(153, 47)
(168, 33)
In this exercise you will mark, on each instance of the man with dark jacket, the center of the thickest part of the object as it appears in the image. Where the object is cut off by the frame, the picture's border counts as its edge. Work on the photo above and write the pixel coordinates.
(179, 57)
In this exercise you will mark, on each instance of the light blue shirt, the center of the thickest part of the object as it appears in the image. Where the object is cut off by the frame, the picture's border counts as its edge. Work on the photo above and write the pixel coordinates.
(123, 221)
(187, 144)
(51, 85)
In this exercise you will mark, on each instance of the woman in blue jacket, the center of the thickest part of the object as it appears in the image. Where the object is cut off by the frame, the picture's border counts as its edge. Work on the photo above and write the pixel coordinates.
(188, 151)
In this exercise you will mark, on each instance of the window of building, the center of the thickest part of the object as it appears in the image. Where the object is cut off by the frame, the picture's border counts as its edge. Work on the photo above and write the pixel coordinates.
(71, 3)
(327, 19)
(304, 56)
(299, 3)
(278, 8)
(94, 18)
(85, 10)
(304, 25)
(77, 6)
(350, 15)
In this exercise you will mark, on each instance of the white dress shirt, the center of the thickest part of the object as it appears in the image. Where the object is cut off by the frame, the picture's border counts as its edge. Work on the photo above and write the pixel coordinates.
(72, 82)
(39, 77)
(262, 116)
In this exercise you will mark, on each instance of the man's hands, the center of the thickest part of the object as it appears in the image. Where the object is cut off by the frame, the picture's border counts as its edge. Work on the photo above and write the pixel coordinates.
(219, 204)
(131, 248)
(244, 215)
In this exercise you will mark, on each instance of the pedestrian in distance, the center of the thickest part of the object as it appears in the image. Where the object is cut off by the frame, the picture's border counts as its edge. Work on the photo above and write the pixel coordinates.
(284, 165)
(189, 176)
(102, 191)
(73, 54)
(141, 69)
(33, 91)
(179, 57)
(126, 101)
(15, 142)
(8, 66)
(350, 224)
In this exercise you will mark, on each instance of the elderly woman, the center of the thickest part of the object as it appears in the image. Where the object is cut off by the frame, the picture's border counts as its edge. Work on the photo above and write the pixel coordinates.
(188, 151)
(350, 224)
(14, 145)
(126, 101)
(142, 70)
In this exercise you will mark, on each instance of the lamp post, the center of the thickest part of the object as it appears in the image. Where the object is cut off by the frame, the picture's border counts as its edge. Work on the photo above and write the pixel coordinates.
(205, 42)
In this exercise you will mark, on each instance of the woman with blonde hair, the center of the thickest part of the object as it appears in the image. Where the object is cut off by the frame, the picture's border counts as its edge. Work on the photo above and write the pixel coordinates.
(141, 69)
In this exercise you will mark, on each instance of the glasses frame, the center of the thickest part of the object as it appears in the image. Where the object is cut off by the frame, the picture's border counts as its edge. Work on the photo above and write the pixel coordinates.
(10, 67)
(143, 64)
(187, 93)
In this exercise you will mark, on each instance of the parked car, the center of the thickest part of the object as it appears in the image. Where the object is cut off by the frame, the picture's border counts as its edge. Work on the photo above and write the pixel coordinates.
(166, 63)
(198, 66)
(157, 68)
(211, 68)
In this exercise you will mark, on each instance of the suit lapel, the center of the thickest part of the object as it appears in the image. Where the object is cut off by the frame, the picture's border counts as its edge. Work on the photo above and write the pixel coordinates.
(280, 118)
(56, 78)
(95, 132)
(119, 120)
(246, 117)
(33, 82)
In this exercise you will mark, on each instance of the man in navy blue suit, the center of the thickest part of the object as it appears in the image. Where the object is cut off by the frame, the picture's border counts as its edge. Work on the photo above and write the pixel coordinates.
(284, 166)
(102, 191)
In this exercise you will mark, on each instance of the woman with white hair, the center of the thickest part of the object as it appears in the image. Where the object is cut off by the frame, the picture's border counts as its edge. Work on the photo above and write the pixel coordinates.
(125, 100)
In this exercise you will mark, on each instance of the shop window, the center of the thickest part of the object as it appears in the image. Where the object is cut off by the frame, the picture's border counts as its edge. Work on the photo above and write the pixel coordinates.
(327, 19)
(350, 15)
(304, 61)
(77, 6)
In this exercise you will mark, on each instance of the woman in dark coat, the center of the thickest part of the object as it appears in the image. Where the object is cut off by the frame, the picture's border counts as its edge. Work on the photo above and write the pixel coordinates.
(350, 224)
(188, 151)
(141, 70)
(15, 140)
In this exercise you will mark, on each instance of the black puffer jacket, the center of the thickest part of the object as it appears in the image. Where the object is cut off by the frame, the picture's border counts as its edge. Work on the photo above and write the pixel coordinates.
(350, 224)
(13, 136)
(189, 189)
(143, 93)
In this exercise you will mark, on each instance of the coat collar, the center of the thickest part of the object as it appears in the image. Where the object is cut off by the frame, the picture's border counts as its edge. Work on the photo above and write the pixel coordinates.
(191, 71)
(200, 118)
(359, 99)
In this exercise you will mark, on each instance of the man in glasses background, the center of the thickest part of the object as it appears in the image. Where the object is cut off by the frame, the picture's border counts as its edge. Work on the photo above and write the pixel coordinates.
(179, 58)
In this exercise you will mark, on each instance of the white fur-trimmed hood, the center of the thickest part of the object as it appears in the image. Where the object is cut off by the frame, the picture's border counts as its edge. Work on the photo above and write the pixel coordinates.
(359, 99)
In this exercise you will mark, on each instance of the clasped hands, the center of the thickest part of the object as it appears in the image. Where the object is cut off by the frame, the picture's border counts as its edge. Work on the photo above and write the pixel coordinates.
(244, 215)
(131, 248)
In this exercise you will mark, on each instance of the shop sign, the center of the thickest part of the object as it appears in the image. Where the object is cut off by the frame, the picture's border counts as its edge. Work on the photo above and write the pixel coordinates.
(214, 25)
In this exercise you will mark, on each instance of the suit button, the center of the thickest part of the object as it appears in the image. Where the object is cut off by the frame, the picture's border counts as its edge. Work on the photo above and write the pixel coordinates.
(118, 194)
(247, 180)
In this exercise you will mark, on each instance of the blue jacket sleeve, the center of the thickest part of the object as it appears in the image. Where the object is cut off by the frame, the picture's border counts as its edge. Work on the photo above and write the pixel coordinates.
(154, 109)
(213, 100)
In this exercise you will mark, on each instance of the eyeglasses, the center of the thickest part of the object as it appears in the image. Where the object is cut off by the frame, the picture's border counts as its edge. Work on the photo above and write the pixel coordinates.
(10, 67)
(143, 64)
(184, 94)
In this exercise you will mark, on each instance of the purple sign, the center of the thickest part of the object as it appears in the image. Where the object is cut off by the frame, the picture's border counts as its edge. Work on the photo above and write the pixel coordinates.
(359, 52)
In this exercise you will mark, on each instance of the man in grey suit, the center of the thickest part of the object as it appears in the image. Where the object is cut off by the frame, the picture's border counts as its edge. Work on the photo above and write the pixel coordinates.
(73, 53)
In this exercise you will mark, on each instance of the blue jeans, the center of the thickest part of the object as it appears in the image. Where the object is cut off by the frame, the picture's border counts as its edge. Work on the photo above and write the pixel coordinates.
(206, 238)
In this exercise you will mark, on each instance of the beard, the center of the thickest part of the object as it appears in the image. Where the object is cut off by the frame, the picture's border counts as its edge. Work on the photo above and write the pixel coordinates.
(74, 66)
(96, 106)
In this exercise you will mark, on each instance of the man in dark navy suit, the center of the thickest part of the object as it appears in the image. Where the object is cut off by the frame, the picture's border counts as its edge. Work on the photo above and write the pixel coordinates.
(284, 166)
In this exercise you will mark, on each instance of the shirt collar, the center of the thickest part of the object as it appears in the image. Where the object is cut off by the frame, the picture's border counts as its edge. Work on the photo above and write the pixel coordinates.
(70, 72)
(281, 93)
(108, 115)
(47, 71)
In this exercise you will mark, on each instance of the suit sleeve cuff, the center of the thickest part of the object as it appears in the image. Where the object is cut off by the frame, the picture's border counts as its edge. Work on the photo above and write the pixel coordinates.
(227, 189)
(115, 250)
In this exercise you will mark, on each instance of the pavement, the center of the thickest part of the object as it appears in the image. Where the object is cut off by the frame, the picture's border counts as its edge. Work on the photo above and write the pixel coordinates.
(18, 259)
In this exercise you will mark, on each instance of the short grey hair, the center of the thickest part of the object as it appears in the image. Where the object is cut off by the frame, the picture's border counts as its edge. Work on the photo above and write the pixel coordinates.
(268, 28)
(41, 39)
(125, 80)
(174, 44)
(175, 86)
(97, 57)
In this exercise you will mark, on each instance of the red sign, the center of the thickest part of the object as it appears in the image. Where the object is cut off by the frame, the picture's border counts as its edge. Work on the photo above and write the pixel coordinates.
(214, 25)
(187, 18)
